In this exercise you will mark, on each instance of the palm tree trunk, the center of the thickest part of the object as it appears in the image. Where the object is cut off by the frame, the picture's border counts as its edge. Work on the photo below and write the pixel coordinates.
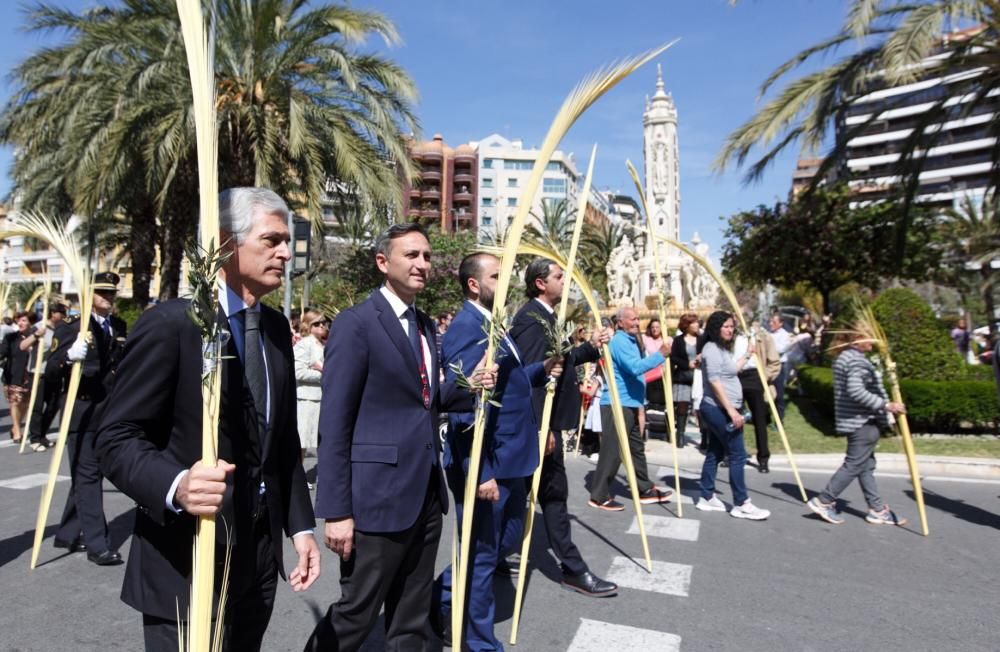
(143, 252)
(177, 231)
(987, 273)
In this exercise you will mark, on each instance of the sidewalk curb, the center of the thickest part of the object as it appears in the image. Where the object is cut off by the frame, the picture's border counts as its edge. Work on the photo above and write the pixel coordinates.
(659, 452)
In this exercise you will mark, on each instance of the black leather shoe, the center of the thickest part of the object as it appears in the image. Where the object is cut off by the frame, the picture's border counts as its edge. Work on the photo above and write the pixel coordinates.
(441, 626)
(762, 467)
(74, 546)
(510, 565)
(106, 558)
(589, 584)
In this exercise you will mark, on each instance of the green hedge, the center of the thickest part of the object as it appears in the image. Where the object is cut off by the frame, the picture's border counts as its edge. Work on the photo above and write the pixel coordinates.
(920, 346)
(940, 406)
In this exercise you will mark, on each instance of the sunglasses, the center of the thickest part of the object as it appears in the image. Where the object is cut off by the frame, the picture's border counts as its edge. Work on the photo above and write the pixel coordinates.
(321, 324)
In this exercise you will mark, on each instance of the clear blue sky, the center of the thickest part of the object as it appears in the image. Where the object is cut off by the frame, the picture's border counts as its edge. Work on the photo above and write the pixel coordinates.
(484, 67)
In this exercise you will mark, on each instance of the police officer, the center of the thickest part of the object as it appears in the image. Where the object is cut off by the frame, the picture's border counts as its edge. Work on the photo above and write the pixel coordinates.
(83, 526)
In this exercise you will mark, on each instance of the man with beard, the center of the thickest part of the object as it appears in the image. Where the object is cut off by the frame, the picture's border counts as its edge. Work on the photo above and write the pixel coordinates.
(510, 447)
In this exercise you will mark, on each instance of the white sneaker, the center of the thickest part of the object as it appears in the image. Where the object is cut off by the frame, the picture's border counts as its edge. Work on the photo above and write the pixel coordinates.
(711, 505)
(749, 511)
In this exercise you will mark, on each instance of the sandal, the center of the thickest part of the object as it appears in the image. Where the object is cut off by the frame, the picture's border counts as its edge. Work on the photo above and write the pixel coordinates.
(39, 447)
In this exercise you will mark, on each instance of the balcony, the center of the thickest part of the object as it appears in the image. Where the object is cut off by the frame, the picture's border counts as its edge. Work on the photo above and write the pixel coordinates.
(430, 175)
(430, 155)
(430, 193)
(462, 196)
(464, 177)
(414, 193)
(466, 157)
(431, 213)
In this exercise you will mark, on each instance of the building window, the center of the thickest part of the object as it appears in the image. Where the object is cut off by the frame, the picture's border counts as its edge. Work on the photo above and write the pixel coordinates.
(512, 182)
(518, 165)
(552, 166)
(487, 220)
(554, 185)
(487, 183)
(488, 163)
(512, 201)
(487, 201)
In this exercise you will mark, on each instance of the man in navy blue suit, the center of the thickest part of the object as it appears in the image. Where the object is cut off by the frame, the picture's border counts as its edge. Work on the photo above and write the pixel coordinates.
(379, 484)
(510, 447)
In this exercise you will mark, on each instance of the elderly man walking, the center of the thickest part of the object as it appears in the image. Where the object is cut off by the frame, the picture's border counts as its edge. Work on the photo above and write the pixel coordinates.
(629, 370)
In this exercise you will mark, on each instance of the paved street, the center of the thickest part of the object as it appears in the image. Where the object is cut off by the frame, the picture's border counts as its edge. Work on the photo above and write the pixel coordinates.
(789, 583)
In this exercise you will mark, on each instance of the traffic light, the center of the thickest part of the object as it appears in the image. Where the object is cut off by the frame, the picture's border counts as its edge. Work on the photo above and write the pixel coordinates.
(301, 232)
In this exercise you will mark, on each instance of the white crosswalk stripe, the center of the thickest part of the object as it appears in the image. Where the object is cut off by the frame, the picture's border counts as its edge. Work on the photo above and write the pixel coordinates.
(666, 578)
(667, 527)
(30, 481)
(597, 636)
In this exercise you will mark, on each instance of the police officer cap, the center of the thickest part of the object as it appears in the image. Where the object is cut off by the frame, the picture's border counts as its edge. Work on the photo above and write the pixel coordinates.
(58, 307)
(107, 281)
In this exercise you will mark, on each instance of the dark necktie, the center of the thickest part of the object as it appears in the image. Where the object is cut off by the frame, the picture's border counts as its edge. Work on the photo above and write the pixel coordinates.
(253, 366)
(414, 335)
(107, 329)
(418, 352)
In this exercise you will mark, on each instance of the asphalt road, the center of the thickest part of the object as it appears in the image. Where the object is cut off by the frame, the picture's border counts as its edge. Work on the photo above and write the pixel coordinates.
(789, 583)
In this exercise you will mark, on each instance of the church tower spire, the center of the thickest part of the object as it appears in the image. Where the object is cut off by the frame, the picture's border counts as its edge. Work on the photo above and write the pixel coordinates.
(660, 157)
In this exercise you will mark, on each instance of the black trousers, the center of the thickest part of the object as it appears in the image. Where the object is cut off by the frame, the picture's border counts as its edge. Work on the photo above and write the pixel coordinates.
(391, 568)
(83, 516)
(45, 409)
(553, 492)
(253, 579)
(610, 459)
(753, 396)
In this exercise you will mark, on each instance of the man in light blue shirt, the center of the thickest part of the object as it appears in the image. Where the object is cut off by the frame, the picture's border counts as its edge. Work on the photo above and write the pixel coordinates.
(629, 369)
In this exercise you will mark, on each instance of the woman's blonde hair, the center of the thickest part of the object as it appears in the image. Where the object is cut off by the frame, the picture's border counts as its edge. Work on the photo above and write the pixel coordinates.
(305, 324)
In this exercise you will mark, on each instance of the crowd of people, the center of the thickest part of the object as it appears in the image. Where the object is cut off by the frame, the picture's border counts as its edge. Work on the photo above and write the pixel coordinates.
(370, 391)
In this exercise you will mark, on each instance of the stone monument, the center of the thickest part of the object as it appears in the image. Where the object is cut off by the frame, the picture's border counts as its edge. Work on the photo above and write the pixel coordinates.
(631, 269)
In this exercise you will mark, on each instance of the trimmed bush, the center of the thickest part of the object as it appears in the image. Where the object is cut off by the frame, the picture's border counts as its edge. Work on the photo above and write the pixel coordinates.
(920, 346)
(940, 406)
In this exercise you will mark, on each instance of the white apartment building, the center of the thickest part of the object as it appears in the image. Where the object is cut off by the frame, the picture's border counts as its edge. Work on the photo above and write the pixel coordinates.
(504, 168)
(877, 124)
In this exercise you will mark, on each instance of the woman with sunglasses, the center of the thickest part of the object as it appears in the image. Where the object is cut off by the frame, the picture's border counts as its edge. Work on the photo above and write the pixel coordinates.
(314, 329)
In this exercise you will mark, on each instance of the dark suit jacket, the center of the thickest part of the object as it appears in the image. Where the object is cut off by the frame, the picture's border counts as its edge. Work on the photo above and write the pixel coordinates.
(510, 447)
(97, 372)
(530, 338)
(151, 431)
(378, 444)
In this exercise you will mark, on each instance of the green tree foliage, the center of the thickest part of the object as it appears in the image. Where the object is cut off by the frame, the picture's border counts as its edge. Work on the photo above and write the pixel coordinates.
(972, 241)
(102, 121)
(920, 346)
(353, 276)
(820, 240)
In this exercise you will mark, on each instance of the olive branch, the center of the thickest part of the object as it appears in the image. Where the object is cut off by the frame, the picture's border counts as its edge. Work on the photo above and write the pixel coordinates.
(203, 311)
(558, 335)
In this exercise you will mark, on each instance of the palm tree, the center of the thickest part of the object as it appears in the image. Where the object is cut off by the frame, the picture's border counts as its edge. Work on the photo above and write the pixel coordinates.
(598, 243)
(892, 40)
(972, 236)
(554, 228)
(105, 117)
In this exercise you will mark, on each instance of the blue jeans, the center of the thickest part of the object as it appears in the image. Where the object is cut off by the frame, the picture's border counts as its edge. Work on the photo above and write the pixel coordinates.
(721, 443)
(496, 531)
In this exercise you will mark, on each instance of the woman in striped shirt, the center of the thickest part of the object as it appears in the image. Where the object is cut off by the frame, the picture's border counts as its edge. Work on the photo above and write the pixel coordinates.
(861, 411)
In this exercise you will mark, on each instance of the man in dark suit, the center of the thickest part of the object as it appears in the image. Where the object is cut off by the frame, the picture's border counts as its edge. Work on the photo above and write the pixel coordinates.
(510, 447)
(83, 526)
(150, 441)
(50, 388)
(379, 484)
(544, 281)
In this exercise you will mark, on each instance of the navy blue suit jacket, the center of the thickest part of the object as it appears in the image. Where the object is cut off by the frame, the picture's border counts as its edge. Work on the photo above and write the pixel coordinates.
(378, 444)
(510, 448)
